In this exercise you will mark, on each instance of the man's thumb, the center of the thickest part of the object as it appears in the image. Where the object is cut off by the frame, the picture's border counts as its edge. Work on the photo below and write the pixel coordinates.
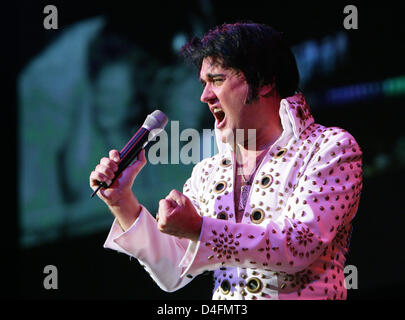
(137, 165)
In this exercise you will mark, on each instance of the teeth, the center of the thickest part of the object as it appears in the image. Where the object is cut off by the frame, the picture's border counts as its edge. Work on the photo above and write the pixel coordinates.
(217, 110)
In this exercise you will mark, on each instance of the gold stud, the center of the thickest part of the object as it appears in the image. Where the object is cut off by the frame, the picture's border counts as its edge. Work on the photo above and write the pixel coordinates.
(226, 162)
(225, 286)
(257, 216)
(220, 187)
(254, 285)
(222, 215)
(280, 153)
(266, 181)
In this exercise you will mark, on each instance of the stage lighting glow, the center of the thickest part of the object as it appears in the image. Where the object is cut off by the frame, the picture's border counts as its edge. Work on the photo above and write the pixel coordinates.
(365, 91)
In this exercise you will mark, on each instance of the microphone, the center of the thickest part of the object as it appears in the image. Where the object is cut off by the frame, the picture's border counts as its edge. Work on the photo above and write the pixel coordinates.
(153, 125)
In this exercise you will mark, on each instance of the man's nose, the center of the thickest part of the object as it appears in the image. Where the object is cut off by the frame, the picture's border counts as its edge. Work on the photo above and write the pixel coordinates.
(207, 95)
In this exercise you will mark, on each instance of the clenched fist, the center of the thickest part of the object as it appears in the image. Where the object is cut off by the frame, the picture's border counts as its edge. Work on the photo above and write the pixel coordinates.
(178, 217)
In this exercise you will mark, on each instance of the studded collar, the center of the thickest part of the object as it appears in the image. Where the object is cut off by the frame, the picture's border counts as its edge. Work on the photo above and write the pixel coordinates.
(295, 114)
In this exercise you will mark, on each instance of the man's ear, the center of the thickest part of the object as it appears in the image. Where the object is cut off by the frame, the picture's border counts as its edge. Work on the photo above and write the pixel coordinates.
(266, 90)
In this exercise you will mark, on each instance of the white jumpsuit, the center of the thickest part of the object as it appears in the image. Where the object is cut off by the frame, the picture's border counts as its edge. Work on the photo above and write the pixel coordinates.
(296, 227)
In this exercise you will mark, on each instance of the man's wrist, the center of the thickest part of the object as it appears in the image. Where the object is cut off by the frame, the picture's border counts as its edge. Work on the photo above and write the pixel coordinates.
(198, 227)
(126, 210)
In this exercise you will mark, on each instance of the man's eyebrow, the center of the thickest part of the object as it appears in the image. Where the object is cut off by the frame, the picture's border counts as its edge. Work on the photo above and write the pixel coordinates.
(212, 75)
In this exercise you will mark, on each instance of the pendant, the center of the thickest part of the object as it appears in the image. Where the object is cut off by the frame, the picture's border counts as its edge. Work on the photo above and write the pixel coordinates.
(244, 195)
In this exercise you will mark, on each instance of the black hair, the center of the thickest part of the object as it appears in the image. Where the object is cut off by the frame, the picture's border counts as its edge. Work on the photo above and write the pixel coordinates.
(258, 51)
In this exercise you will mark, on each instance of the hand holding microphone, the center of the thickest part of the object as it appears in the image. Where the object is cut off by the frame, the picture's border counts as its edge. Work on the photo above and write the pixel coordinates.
(106, 173)
(178, 217)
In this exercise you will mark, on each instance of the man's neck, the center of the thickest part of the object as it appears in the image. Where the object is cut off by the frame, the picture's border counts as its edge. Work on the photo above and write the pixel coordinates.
(267, 130)
(252, 149)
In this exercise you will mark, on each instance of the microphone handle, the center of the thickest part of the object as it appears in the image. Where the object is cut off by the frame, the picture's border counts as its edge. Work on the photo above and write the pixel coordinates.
(127, 155)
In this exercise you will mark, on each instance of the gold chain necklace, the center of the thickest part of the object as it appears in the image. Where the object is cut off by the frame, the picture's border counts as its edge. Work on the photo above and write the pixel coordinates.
(259, 160)
(247, 183)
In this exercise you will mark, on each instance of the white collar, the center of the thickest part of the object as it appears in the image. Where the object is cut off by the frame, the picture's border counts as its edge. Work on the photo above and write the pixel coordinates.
(295, 114)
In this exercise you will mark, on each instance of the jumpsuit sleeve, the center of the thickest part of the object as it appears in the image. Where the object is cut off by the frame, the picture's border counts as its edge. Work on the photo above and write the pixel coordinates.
(160, 254)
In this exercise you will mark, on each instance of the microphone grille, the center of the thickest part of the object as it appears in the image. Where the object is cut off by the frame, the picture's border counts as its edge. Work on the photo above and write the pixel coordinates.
(156, 120)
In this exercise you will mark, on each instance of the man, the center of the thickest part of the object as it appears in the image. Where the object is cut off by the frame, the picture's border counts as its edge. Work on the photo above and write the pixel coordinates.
(272, 218)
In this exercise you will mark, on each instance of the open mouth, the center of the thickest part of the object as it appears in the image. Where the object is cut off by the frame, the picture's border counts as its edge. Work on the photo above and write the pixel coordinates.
(219, 115)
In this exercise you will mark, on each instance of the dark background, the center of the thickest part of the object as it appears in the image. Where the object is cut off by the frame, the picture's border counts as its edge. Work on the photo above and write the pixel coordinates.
(377, 51)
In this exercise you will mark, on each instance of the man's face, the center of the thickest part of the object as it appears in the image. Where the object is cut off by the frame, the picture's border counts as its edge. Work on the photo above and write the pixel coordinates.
(225, 91)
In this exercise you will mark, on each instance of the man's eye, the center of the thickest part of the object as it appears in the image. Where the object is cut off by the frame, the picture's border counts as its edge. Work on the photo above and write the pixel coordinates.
(218, 81)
